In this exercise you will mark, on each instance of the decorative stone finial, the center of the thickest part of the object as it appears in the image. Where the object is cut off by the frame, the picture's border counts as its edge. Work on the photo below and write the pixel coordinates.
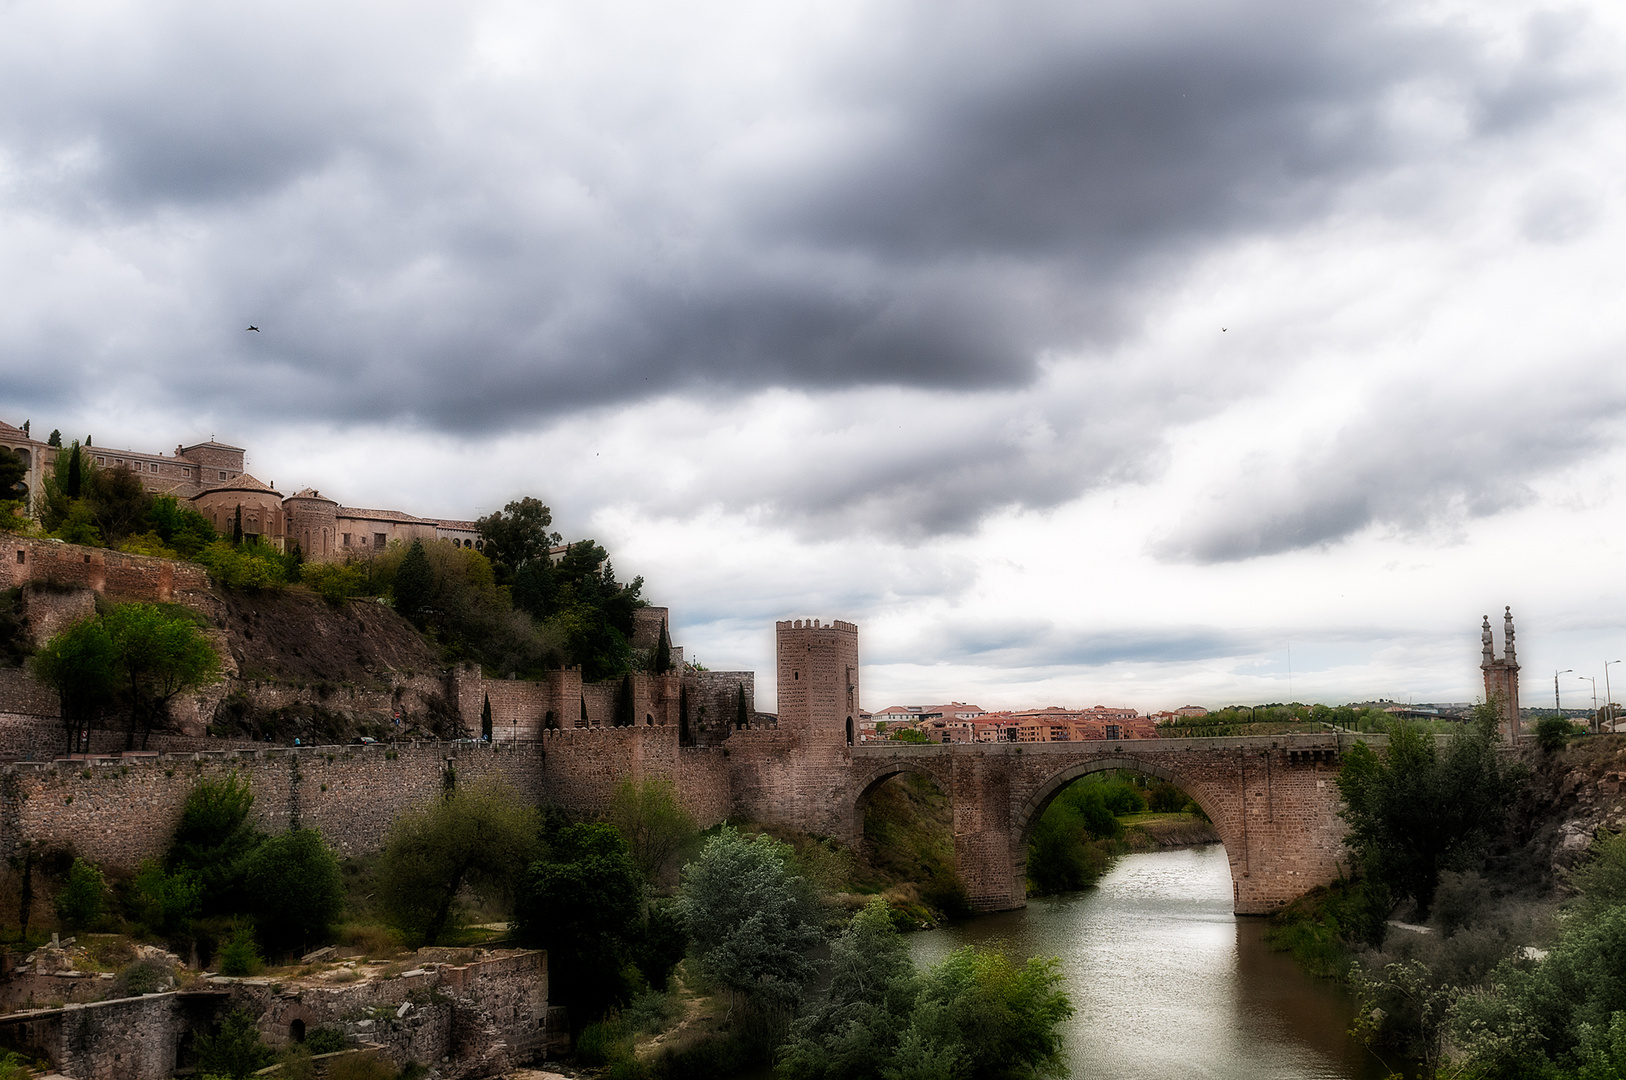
(1487, 641)
(1507, 632)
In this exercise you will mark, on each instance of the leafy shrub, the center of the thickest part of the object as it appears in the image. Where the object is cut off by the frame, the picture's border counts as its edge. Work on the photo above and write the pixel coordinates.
(334, 582)
(83, 896)
(650, 1012)
(250, 567)
(326, 1040)
(235, 1050)
(1553, 733)
(143, 977)
(165, 902)
(239, 955)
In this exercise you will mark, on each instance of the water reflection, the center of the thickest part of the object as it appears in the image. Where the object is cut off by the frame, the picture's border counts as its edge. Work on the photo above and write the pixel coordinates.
(1167, 982)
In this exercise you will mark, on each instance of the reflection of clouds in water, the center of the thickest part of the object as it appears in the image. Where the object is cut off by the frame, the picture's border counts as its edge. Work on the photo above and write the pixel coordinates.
(1167, 982)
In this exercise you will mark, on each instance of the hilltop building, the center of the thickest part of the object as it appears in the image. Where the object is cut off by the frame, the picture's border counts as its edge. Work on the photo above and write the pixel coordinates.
(211, 476)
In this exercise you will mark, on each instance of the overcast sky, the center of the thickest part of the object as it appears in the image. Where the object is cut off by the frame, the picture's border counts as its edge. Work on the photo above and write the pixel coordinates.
(1124, 353)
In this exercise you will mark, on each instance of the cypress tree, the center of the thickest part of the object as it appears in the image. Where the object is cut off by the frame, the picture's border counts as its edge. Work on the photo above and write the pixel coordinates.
(742, 719)
(237, 527)
(623, 703)
(55, 439)
(485, 719)
(414, 584)
(663, 652)
(75, 473)
(584, 710)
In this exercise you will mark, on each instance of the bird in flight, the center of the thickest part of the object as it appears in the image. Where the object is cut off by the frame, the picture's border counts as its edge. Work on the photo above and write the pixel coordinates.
(246, 329)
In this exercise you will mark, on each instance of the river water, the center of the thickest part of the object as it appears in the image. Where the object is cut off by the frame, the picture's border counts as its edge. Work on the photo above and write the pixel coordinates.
(1168, 983)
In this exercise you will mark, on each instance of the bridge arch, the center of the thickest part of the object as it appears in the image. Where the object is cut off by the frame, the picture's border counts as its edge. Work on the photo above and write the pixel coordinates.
(864, 785)
(1027, 817)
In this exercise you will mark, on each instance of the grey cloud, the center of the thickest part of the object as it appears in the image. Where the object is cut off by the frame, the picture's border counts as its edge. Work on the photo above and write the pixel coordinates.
(994, 192)
(1416, 459)
(1040, 644)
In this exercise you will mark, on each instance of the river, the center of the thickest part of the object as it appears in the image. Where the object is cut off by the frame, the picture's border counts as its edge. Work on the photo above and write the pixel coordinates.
(1167, 982)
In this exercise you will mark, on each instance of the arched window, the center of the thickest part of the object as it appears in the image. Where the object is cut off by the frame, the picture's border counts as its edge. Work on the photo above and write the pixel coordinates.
(849, 731)
(296, 1031)
(649, 721)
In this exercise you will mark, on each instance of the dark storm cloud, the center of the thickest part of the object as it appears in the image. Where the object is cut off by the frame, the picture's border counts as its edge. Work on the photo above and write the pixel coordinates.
(963, 193)
(1415, 460)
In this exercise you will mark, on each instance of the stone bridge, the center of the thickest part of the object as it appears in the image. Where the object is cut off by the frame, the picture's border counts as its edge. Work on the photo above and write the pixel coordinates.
(1272, 799)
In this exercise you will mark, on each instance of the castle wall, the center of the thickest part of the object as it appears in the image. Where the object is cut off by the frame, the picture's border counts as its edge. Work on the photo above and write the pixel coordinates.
(713, 703)
(113, 573)
(120, 811)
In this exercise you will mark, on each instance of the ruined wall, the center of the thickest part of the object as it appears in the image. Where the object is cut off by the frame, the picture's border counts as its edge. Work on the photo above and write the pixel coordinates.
(129, 577)
(127, 1039)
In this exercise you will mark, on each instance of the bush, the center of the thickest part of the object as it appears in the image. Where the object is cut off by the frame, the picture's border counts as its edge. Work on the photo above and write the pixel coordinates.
(1165, 798)
(335, 583)
(239, 955)
(165, 903)
(250, 567)
(295, 889)
(83, 896)
(326, 1040)
(143, 977)
(235, 1050)
(1553, 733)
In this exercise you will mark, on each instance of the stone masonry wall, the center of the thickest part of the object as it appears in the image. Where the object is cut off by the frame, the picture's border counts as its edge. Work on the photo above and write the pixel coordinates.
(132, 577)
(119, 811)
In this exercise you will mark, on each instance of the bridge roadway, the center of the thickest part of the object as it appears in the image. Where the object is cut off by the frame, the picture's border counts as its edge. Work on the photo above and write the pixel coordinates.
(1271, 797)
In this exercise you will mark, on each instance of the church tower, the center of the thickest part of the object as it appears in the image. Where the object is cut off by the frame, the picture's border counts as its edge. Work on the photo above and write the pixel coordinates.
(1502, 675)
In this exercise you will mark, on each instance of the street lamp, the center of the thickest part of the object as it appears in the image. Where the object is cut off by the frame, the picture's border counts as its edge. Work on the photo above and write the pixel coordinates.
(1594, 683)
(1556, 674)
(1608, 699)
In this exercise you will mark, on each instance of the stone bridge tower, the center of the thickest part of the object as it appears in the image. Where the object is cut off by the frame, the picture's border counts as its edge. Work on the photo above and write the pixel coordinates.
(1502, 675)
(818, 686)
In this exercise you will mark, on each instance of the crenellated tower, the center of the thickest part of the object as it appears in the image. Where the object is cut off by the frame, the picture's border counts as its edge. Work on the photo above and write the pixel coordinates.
(818, 682)
(1501, 674)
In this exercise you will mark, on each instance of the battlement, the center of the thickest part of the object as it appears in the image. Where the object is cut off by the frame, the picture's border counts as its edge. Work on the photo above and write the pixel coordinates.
(814, 624)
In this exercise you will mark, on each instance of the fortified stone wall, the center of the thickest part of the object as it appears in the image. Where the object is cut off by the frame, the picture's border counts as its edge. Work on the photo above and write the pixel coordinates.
(132, 577)
(583, 767)
(712, 700)
(48, 611)
(119, 811)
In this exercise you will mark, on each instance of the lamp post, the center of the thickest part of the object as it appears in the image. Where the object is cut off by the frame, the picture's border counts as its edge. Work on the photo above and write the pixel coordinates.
(1556, 674)
(1594, 683)
(1608, 699)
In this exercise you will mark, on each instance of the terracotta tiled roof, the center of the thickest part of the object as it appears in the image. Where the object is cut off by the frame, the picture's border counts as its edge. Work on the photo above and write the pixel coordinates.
(312, 493)
(448, 523)
(245, 482)
(382, 515)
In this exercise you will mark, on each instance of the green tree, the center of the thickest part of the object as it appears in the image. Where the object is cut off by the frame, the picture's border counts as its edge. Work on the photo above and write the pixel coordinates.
(975, 1015)
(235, 1050)
(81, 664)
(160, 655)
(118, 503)
(414, 585)
(294, 888)
(1415, 812)
(181, 528)
(166, 902)
(655, 826)
(12, 474)
(742, 715)
(82, 897)
(517, 535)
(1553, 733)
(213, 839)
(585, 906)
(752, 920)
(482, 836)
(625, 715)
(55, 438)
(76, 473)
(663, 652)
(485, 718)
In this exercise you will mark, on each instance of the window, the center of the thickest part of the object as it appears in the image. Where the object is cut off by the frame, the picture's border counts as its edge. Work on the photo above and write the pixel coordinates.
(100, 460)
(223, 474)
(21, 555)
(346, 539)
(118, 461)
(155, 466)
(379, 540)
(186, 472)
